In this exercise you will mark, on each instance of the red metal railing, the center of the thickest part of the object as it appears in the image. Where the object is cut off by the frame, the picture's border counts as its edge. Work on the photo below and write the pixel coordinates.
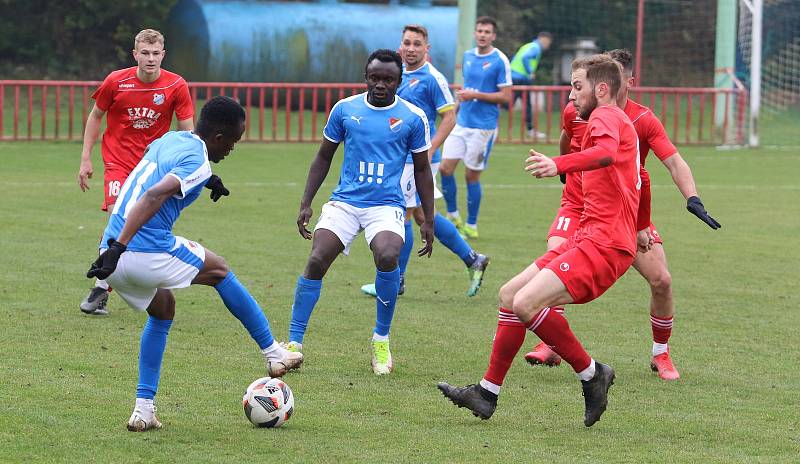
(293, 112)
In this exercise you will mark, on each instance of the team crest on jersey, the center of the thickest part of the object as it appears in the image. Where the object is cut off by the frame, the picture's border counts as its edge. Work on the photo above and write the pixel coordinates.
(413, 82)
(158, 98)
(394, 124)
(486, 64)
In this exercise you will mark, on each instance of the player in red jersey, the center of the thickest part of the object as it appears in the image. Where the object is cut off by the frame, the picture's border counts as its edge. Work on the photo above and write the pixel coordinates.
(584, 267)
(653, 265)
(139, 102)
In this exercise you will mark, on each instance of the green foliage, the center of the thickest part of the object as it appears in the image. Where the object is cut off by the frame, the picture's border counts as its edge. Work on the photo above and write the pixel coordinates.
(68, 380)
(83, 39)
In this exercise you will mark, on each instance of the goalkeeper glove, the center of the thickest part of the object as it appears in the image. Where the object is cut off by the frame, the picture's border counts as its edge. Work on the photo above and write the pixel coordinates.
(218, 190)
(106, 263)
(695, 206)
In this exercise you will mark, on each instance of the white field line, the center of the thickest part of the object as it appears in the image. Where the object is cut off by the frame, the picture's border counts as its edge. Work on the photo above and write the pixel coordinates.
(531, 186)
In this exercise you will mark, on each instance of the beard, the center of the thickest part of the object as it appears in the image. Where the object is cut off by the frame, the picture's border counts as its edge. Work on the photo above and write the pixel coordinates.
(586, 110)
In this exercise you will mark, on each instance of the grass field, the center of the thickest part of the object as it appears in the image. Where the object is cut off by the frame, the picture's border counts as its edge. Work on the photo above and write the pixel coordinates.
(67, 381)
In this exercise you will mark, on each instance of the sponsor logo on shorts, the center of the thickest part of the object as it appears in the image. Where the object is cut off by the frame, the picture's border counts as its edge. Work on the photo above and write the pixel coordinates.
(394, 124)
(564, 267)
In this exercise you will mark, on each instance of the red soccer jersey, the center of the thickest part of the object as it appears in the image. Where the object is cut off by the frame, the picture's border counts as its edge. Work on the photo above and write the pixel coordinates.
(574, 127)
(651, 135)
(138, 113)
(609, 160)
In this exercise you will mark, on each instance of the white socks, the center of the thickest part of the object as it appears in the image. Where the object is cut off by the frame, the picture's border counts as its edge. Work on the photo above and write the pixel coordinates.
(146, 406)
(587, 373)
(101, 283)
(379, 338)
(274, 352)
(659, 348)
(490, 386)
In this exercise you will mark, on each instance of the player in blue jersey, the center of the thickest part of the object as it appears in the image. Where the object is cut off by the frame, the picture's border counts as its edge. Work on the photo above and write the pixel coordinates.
(487, 83)
(143, 260)
(424, 86)
(378, 130)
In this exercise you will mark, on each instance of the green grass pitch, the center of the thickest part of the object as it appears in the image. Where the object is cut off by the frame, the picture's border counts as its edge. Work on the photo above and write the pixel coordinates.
(67, 381)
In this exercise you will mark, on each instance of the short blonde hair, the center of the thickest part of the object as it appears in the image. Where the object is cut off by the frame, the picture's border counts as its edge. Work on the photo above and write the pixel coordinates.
(148, 36)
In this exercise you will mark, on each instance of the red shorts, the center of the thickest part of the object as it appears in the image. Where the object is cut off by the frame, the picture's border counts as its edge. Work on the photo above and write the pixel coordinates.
(656, 237)
(113, 178)
(585, 269)
(565, 223)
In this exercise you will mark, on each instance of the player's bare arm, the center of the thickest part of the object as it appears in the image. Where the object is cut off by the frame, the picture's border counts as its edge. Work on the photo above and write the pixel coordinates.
(501, 97)
(186, 124)
(442, 131)
(316, 175)
(424, 184)
(90, 135)
(539, 165)
(682, 177)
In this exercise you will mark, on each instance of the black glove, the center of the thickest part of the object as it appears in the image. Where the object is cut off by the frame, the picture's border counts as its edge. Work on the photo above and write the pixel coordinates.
(563, 178)
(695, 206)
(105, 265)
(218, 190)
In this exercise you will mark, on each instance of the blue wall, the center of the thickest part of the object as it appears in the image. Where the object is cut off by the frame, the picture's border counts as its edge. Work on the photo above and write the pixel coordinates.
(267, 41)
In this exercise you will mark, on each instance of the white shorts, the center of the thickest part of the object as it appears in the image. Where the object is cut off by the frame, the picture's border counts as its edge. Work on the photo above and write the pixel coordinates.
(473, 146)
(139, 274)
(346, 221)
(410, 187)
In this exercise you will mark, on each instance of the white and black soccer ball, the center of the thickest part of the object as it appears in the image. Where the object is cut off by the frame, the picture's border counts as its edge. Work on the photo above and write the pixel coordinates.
(268, 402)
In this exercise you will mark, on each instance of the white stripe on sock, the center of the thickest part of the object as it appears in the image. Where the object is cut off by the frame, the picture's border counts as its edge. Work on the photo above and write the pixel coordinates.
(490, 386)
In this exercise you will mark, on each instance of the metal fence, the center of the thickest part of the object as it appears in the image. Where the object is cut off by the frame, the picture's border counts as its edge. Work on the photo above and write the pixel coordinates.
(281, 112)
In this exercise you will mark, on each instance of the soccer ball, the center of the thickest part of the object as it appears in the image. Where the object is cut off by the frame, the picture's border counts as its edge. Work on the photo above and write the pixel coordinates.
(268, 402)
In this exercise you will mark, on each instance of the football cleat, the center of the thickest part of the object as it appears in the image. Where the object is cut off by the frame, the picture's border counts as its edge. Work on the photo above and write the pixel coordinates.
(294, 347)
(95, 302)
(469, 232)
(473, 397)
(595, 393)
(476, 271)
(141, 421)
(369, 289)
(456, 220)
(381, 357)
(291, 361)
(542, 354)
(662, 364)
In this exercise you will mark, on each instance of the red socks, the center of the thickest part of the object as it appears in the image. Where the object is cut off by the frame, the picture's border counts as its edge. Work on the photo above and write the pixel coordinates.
(553, 329)
(662, 329)
(507, 341)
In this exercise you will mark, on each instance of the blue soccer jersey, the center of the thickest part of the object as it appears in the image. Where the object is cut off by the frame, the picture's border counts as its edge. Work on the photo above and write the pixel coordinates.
(428, 89)
(181, 155)
(484, 73)
(376, 142)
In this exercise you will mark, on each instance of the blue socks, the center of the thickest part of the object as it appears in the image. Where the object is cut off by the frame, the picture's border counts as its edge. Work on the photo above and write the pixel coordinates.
(446, 232)
(386, 286)
(474, 194)
(449, 190)
(151, 352)
(244, 307)
(306, 295)
(408, 247)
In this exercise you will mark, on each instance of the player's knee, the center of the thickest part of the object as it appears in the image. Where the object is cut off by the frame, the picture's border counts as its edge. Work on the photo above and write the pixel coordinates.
(316, 267)
(218, 271)
(386, 260)
(661, 283)
(506, 296)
